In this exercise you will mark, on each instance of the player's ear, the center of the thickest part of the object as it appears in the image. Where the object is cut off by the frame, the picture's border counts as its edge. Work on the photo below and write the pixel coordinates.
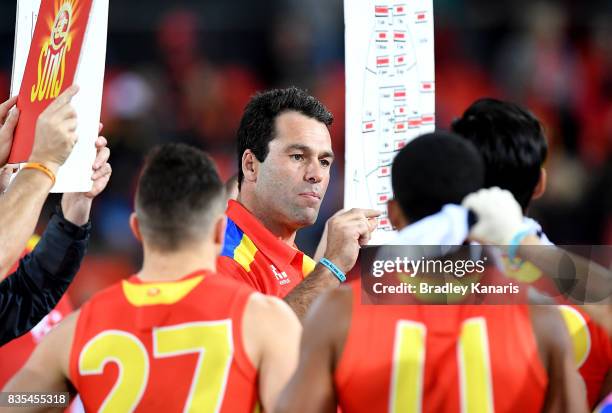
(396, 215)
(135, 226)
(250, 166)
(541, 186)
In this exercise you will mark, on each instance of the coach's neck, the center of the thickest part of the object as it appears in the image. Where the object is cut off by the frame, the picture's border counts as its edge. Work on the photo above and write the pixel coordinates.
(259, 210)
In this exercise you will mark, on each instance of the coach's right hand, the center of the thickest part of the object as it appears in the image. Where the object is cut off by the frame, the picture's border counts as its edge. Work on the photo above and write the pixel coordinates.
(55, 134)
(347, 232)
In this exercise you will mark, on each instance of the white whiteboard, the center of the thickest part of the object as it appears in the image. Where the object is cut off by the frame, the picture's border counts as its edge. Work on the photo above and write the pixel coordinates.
(390, 94)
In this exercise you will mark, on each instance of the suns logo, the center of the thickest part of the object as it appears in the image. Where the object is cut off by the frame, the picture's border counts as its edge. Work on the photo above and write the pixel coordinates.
(52, 59)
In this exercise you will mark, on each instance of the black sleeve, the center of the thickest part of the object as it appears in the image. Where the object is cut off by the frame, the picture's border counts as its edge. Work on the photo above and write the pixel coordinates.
(31, 292)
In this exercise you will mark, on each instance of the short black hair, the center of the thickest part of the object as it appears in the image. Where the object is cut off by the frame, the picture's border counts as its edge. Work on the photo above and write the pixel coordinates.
(433, 170)
(256, 128)
(511, 141)
(179, 193)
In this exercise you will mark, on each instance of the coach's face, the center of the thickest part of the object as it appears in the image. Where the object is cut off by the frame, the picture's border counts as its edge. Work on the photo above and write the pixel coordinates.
(294, 176)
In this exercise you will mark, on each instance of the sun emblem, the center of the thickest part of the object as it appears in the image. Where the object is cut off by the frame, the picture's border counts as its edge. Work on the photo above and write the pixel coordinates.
(61, 27)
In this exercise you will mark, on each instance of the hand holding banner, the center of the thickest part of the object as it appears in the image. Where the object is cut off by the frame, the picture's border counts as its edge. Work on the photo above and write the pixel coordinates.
(65, 42)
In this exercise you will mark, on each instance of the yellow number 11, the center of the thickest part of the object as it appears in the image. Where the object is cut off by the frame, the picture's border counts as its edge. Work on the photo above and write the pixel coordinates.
(476, 389)
(212, 341)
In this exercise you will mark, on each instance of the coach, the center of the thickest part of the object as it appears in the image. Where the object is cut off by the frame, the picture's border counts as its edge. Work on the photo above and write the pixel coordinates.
(31, 292)
(284, 161)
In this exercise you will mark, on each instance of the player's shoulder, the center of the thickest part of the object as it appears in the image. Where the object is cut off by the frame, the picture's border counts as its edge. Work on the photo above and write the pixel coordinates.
(54, 351)
(268, 324)
(549, 330)
(546, 319)
(335, 301)
(266, 317)
(330, 315)
(62, 333)
(262, 307)
(68, 323)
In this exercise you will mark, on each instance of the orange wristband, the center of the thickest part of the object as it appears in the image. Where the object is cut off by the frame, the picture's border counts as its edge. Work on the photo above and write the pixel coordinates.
(42, 168)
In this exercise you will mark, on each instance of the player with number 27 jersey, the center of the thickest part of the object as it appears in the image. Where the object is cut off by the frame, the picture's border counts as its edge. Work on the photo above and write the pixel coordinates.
(184, 334)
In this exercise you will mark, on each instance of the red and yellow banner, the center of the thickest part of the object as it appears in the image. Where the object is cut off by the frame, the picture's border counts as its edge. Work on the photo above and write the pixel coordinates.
(51, 65)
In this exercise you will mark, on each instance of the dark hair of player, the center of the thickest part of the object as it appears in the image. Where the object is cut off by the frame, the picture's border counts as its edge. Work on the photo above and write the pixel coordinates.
(433, 170)
(179, 195)
(257, 129)
(511, 141)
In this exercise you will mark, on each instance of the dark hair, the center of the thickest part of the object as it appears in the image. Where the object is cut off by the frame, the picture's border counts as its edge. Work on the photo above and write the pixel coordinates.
(433, 170)
(511, 141)
(179, 194)
(256, 128)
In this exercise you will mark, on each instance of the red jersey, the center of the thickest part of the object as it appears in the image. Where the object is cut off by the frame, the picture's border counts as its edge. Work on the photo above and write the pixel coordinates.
(591, 343)
(14, 354)
(164, 347)
(440, 359)
(592, 349)
(252, 254)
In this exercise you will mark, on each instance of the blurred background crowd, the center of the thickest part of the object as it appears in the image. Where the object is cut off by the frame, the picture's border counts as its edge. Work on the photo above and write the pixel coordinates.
(183, 71)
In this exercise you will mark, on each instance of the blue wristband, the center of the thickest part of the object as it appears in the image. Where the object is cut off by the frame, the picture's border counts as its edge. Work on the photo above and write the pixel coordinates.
(515, 242)
(334, 270)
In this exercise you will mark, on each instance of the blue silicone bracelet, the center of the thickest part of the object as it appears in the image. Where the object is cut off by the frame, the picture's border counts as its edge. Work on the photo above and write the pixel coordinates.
(334, 270)
(516, 242)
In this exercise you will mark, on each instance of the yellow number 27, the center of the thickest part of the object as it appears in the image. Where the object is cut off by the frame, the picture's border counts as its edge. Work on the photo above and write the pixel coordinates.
(211, 341)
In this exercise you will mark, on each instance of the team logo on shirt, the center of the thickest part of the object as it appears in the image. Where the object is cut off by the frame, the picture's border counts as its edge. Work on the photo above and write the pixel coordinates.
(281, 277)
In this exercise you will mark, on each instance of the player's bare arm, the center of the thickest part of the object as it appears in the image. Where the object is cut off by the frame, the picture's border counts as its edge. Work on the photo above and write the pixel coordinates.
(500, 220)
(47, 369)
(566, 391)
(271, 334)
(347, 232)
(54, 139)
(594, 282)
(326, 326)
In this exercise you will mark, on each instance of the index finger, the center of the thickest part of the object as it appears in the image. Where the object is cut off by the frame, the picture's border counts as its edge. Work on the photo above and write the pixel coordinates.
(64, 98)
(371, 213)
(372, 223)
(362, 213)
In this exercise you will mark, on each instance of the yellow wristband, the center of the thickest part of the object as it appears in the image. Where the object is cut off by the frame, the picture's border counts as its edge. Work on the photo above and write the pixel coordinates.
(42, 168)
